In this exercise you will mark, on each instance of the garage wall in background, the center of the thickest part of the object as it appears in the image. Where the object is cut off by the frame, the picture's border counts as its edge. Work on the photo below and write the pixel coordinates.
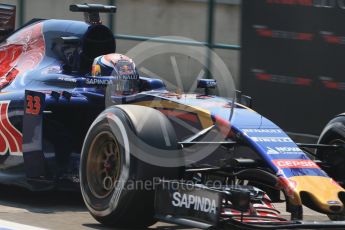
(293, 60)
(187, 18)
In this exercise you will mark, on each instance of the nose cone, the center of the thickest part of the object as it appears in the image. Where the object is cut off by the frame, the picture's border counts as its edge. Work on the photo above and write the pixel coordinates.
(320, 193)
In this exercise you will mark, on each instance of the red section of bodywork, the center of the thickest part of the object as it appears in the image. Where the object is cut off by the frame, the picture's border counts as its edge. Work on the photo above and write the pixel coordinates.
(4, 129)
(3, 144)
(288, 185)
(262, 211)
(17, 136)
(224, 126)
(10, 137)
(9, 54)
(21, 53)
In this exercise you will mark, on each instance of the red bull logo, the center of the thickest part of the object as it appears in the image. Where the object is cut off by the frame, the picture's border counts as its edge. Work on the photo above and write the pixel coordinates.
(125, 68)
(10, 137)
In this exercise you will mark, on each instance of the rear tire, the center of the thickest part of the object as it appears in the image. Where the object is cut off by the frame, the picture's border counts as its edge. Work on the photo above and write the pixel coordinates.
(108, 184)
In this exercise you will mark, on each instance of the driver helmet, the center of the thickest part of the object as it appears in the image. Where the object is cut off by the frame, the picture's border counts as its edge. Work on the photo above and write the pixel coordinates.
(122, 68)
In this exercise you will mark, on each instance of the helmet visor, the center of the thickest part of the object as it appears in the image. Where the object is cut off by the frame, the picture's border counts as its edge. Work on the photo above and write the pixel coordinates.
(126, 78)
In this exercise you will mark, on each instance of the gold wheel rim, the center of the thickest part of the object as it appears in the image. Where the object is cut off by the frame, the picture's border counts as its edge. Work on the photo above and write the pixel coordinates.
(103, 165)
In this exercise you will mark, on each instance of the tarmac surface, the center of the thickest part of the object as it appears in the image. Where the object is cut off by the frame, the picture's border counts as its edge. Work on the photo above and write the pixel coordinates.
(21, 209)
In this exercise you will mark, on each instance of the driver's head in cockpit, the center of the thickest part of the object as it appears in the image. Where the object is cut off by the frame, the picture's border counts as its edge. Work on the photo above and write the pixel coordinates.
(122, 68)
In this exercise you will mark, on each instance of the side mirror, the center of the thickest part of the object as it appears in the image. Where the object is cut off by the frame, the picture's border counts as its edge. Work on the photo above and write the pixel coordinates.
(207, 84)
(244, 99)
(7, 20)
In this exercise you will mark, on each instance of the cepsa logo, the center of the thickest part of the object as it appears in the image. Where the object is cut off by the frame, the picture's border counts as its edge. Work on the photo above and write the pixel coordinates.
(295, 163)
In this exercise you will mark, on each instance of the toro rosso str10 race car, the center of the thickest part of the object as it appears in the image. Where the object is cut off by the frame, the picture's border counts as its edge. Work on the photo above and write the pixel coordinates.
(70, 122)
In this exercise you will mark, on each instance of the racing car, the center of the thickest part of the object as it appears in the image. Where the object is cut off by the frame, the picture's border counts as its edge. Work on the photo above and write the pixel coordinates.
(77, 115)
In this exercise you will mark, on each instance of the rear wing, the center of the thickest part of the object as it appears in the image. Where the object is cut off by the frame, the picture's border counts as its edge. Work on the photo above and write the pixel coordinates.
(7, 20)
(91, 11)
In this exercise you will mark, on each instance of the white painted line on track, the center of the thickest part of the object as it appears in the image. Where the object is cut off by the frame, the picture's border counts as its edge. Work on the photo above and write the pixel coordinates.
(7, 225)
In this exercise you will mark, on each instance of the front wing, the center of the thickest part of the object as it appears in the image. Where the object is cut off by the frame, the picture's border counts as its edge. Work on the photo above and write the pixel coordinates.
(199, 206)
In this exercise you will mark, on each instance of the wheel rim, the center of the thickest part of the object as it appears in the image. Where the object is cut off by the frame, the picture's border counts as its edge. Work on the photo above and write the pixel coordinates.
(103, 165)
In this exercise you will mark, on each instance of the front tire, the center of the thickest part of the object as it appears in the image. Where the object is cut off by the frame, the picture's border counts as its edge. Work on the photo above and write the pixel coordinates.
(334, 134)
(110, 173)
